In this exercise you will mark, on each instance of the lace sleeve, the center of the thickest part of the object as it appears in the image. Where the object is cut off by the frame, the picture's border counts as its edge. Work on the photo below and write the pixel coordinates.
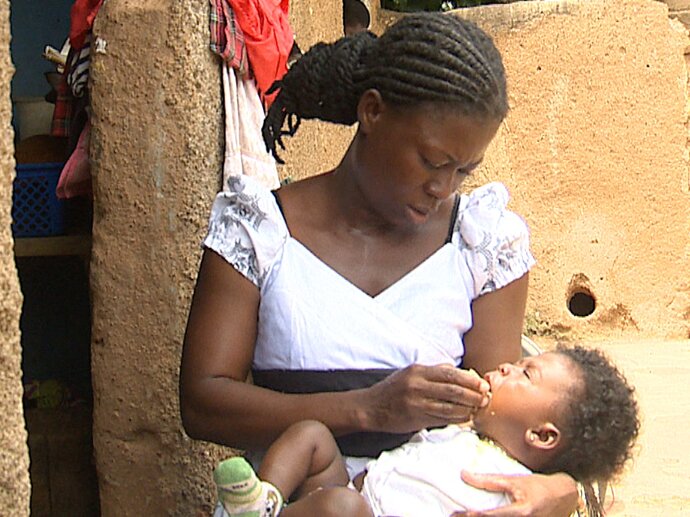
(494, 240)
(246, 228)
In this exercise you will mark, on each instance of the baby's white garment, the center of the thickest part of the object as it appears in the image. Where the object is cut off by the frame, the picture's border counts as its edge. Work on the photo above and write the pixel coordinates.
(422, 477)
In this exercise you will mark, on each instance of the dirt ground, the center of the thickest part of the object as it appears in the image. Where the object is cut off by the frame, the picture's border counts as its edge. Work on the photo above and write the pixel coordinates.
(658, 482)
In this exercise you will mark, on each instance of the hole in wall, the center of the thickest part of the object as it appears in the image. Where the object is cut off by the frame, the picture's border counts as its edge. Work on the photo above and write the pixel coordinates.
(580, 297)
(581, 303)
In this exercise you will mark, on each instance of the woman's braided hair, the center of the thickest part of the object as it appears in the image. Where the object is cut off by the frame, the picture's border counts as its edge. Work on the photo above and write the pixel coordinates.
(602, 420)
(423, 58)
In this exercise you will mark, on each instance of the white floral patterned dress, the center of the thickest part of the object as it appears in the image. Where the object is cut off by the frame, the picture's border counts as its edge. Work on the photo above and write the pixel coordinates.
(319, 332)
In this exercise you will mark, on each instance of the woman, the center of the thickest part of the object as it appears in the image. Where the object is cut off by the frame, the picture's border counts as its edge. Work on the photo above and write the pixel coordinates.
(346, 293)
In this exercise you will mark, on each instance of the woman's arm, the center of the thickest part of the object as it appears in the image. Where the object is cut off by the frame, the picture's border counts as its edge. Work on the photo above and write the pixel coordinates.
(218, 405)
(497, 319)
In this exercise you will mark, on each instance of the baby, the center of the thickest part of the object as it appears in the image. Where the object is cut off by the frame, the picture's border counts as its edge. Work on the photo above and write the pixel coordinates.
(565, 411)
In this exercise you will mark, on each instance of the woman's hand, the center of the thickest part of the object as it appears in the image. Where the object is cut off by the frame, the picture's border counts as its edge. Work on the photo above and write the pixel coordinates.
(423, 396)
(535, 495)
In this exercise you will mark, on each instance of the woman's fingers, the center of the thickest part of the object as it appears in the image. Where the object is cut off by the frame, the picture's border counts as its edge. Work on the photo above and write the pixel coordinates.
(495, 483)
(445, 412)
(423, 396)
(449, 384)
(491, 482)
(466, 378)
(454, 394)
(536, 495)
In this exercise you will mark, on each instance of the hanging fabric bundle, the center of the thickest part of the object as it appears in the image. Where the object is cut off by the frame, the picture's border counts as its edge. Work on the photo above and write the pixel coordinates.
(245, 151)
(227, 39)
(82, 16)
(75, 178)
(71, 116)
(78, 64)
(268, 38)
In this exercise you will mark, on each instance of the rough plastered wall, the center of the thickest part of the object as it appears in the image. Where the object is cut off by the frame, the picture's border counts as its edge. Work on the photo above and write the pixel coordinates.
(14, 455)
(157, 155)
(15, 489)
(595, 154)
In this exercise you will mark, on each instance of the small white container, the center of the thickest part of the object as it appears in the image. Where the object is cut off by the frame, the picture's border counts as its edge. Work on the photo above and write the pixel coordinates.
(34, 116)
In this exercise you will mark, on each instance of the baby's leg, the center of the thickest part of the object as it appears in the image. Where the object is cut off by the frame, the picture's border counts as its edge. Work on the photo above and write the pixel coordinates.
(305, 457)
(329, 502)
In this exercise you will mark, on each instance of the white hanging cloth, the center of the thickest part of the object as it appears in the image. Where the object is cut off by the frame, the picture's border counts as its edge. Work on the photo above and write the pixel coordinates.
(245, 151)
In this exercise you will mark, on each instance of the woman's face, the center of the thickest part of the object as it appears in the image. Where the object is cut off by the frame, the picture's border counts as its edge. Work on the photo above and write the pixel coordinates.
(409, 160)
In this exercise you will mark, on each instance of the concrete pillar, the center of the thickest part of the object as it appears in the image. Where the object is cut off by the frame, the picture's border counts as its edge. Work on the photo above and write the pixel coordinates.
(156, 152)
(14, 455)
(157, 156)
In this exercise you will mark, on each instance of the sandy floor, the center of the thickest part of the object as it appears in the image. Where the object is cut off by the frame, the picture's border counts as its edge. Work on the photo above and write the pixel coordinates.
(658, 483)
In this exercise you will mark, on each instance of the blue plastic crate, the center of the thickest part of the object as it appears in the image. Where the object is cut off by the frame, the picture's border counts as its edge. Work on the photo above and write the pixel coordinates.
(36, 210)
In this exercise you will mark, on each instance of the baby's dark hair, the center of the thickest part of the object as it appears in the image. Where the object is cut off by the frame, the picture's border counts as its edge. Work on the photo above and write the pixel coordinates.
(423, 58)
(601, 419)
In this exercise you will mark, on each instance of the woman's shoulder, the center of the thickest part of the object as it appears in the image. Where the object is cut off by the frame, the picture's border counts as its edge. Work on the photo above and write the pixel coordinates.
(493, 239)
(246, 202)
(306, 204)
(246, 227)
(484, 216)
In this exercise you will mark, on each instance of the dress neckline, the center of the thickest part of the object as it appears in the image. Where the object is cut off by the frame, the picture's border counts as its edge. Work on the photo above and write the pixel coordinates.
(401, 279)
(343, 278)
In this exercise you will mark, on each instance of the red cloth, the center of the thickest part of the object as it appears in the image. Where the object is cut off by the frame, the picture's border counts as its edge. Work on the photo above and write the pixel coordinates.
(62, 114)
(82, 15)
(75, 178)
(268, 37)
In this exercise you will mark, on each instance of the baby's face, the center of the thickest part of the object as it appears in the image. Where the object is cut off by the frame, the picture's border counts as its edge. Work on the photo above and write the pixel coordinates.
(525, 394)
